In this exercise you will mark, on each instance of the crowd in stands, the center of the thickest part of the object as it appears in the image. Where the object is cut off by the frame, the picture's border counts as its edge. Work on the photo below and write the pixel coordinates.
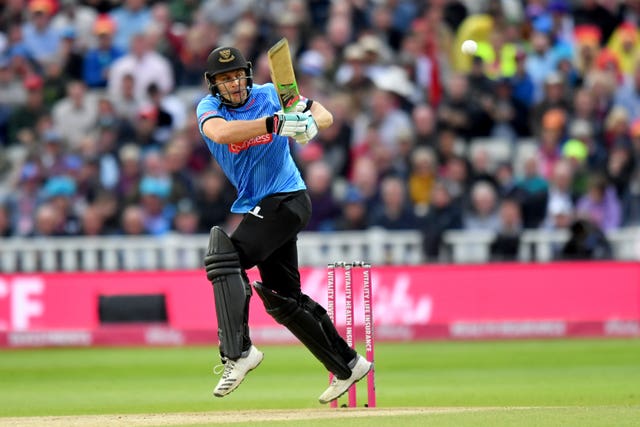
(98, 133)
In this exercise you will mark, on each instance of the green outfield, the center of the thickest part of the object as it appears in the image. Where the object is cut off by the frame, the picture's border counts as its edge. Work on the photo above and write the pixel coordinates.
(505, 383)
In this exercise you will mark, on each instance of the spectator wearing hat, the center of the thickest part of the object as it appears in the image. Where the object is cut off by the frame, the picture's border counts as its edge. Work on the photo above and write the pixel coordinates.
(623, 44)
(40, 39)
(26, 116)
(98, 59)
(582, 130)
(60, 193)
(577, 153)
(551, 137)
(158, 213)
(132, 17)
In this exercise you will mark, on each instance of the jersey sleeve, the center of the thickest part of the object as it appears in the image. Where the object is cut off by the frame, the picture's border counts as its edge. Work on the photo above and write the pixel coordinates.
(207, 108)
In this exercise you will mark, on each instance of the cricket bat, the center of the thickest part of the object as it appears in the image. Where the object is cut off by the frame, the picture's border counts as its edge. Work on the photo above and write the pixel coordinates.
(283, 76)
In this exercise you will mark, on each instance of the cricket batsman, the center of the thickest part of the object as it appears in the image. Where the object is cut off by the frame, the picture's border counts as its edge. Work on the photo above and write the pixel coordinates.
(248, 134)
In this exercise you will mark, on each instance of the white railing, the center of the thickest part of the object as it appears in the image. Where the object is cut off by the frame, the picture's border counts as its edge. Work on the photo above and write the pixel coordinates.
(535, 245)
(377, 246)
(187, 251)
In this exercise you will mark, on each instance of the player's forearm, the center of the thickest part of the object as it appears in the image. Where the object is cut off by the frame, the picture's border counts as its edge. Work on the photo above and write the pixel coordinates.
(321, 115)
(231, 132)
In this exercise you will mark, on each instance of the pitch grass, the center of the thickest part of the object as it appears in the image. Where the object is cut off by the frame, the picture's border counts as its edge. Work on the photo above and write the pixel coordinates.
(511, 383)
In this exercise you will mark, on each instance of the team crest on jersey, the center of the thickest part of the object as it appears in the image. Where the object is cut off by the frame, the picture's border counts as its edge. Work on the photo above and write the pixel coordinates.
(258, 140)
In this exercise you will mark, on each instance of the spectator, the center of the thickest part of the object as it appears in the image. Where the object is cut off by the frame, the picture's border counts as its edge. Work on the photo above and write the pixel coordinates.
(586, 242)
(443, 215)
(483, 212)
(76, 115)
(394, 212)
(424, 122)
(326, 210)
(212, 200)
(455, 112)
(560, 189)
(98, 60)
(144, 64)
(132, 17)
(59, 192)
(509, 114)
(5, 221)
(157, 213)
(186, 219)
(78, 18)
(92, 222)
(600, 205)
(133, 221)
(532, 191)
(26, 116)
(41, 40)
(422, 178)
(506, 244)
(354, 215)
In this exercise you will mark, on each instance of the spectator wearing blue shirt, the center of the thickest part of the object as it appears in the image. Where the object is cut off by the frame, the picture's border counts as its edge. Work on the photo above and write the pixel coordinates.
(41, 40)
(98, 60)
(131, 18)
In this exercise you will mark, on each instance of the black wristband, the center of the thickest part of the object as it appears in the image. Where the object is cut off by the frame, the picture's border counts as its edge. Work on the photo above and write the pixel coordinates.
(309, 104)
(269, 123)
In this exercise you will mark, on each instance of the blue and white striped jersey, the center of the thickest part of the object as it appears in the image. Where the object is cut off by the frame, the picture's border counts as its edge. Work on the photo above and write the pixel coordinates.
(259, 166)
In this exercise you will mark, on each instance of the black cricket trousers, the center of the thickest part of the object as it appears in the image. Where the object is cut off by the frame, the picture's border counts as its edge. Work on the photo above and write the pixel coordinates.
(267, 235)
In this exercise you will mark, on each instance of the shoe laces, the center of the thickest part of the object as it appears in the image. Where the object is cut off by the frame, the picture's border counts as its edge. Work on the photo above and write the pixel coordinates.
(224, 369)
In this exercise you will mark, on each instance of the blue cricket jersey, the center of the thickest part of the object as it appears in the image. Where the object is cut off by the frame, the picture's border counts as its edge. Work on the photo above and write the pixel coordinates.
(259, 166)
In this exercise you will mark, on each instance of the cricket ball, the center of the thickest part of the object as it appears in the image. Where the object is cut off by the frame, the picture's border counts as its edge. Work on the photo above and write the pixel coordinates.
(469, 47)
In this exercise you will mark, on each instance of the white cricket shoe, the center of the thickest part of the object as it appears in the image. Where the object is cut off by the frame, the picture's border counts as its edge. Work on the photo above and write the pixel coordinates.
(235, 371)
(339, 387)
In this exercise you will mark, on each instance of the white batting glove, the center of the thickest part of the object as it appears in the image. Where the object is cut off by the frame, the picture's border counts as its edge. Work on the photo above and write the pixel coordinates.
(289, 124)
(310, 132)
(301, 106)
